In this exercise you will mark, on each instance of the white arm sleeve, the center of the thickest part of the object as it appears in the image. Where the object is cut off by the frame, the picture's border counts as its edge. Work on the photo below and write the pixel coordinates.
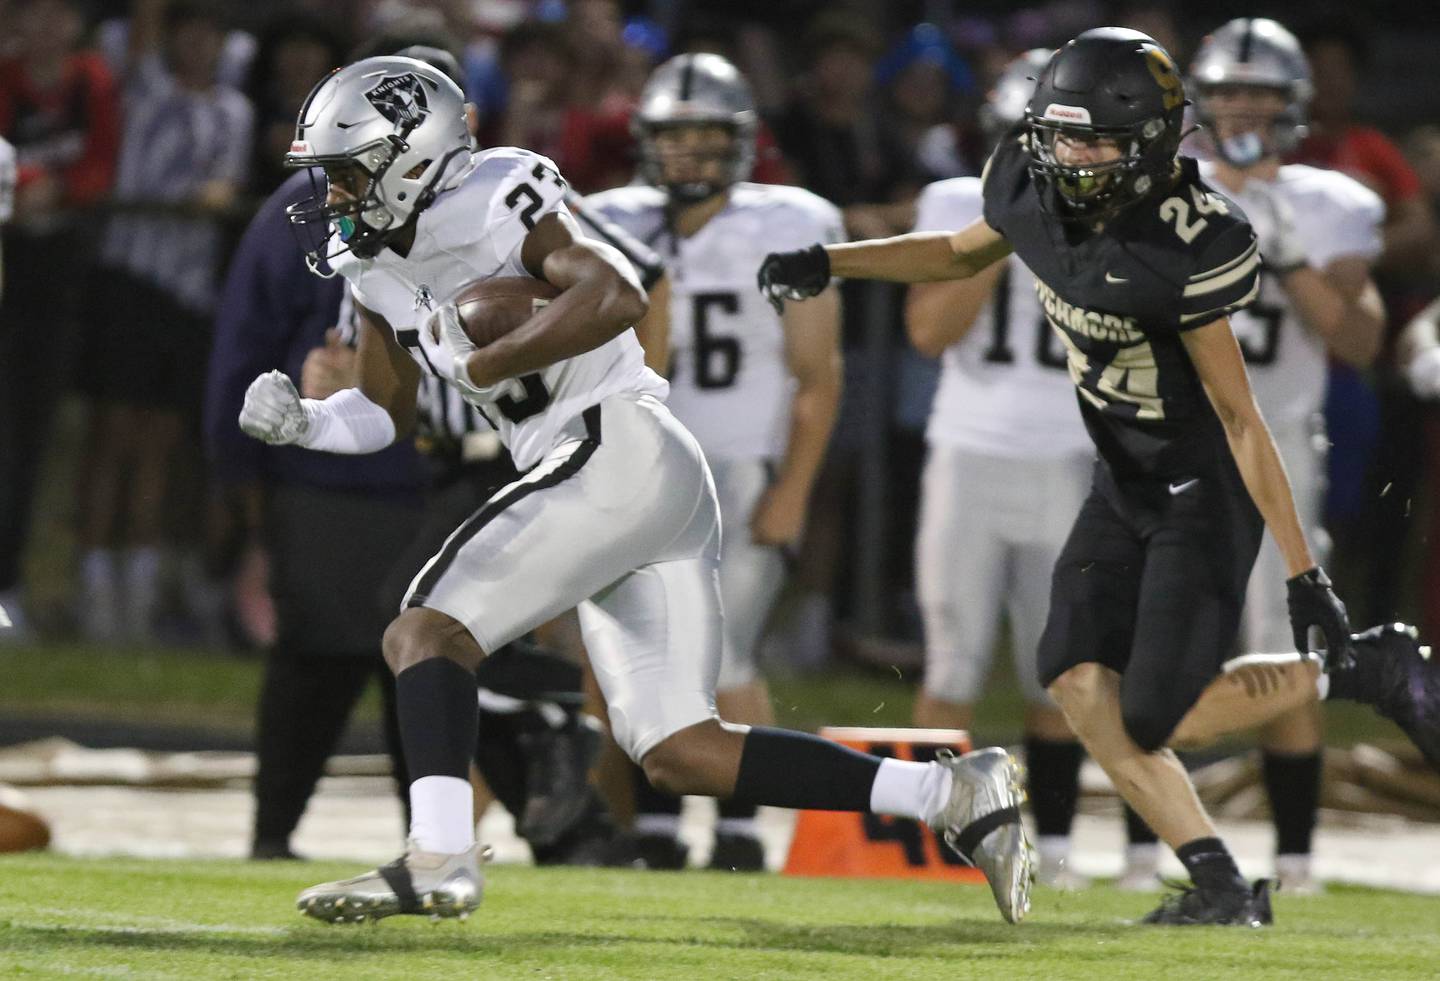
(346, 422)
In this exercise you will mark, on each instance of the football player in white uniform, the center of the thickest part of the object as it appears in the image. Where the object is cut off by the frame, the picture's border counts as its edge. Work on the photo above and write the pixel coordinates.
(8, 180)
(1008, 466)
(615, 512)
(757, 389)
(1320, 234)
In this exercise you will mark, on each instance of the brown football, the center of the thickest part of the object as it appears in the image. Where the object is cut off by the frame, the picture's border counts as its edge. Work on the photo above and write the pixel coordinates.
(491, 308)
(21, 829)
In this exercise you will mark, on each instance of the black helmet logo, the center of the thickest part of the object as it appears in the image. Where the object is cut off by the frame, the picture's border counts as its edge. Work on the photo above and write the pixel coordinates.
(401, 99)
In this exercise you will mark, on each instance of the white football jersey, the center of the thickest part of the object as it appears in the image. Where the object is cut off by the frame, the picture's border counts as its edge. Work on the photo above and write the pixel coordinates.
(474, 230)
(1336, 217)
(7, 181)
(729, 381)
(1004, 388)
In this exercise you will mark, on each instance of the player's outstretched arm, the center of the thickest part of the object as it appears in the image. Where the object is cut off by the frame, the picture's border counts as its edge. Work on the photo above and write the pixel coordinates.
(1216, 355)
(600, 298)
(919, 257)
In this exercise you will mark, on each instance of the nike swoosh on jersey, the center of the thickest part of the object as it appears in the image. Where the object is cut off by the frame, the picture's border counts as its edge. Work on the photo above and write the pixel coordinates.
(1182, 487)
(1112, 278)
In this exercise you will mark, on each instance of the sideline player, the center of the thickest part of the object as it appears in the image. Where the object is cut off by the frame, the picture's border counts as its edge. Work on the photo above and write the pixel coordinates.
(1138, 265)
(1320, 234)
(615, 510)
(759, 391)
(1008, 467)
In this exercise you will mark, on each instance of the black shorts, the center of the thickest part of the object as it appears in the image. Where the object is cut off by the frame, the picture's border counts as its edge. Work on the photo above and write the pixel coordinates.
(140, 347)
(1150, 584)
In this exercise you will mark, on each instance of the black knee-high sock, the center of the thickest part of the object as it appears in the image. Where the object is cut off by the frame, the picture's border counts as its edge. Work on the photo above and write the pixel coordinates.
(439, 716)
(1137, 832)
(1054, 783)
(793, 769)
(1210, 864)
(735, 810)
(1292, 782)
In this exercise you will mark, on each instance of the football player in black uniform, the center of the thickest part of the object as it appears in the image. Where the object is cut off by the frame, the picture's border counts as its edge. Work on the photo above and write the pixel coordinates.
(1138, 265)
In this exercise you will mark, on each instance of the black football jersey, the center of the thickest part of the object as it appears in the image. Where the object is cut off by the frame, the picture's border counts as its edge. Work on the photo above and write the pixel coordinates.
(1120, 296)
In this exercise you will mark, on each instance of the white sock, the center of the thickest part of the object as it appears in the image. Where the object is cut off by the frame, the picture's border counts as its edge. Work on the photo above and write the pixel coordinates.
(1142, 857)
(1053, 849)
(442, 815)
(142, 589)
(660, 825)
(1322, 685)
(912, 790)
(739, 827)
(99, 599)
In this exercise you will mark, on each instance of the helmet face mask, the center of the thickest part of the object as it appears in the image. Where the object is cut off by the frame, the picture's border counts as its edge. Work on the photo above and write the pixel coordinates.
(693, 161)
(1104, 124)
(386, 132)
(1252, 84)
(696, 126)
(1246, 124)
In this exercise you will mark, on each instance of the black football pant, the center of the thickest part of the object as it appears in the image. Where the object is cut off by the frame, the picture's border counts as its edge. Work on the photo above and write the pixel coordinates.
(304, 705)
(1150, 584)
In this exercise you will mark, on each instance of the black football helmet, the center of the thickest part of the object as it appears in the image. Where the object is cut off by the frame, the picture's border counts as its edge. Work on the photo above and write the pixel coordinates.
(1109, 83)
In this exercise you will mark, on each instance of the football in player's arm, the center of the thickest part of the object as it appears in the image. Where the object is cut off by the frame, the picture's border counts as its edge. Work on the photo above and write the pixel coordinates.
(615, 511)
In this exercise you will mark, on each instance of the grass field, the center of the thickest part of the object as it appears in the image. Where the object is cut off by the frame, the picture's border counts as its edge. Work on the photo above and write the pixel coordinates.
(156, 919)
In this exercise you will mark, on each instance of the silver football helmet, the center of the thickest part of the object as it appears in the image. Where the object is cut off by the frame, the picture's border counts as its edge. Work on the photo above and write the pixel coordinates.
(1253, 52)
(696, 90)
(1005, 104)
(401, 122)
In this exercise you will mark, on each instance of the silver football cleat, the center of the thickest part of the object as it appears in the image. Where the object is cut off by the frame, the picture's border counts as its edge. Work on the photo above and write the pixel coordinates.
(418, 883)
(981, 821)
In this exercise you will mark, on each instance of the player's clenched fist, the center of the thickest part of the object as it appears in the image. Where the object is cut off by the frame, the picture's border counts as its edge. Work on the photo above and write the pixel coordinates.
(794, 275)
(272, 410)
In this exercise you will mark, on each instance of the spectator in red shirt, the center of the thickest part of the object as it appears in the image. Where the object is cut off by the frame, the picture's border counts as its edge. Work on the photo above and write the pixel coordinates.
(58, 107)
(1375, 470)
(1337, 53)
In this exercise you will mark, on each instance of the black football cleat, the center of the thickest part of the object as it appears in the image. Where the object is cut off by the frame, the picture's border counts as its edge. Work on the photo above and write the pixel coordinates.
(661, 852)
(557, 778)
(1194, 906)
(737, 853)
(1398, 678)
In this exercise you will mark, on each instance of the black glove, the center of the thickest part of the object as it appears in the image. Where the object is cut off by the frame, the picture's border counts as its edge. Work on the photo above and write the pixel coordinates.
(1314, 604)
(794, 275)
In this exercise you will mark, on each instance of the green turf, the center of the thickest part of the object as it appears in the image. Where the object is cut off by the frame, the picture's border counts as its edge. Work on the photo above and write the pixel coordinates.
(166, 919)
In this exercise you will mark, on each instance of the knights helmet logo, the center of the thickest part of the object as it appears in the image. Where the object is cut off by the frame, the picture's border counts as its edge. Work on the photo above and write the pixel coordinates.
(402, 100)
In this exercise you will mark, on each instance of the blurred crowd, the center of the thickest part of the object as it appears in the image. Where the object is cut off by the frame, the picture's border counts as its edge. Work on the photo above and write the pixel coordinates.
(148, 133)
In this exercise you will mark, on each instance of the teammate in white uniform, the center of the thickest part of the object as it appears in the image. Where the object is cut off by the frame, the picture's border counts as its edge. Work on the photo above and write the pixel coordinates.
(1008, 467)
(615, 514)
(8, 180)
(758, 390)
(1320, 232)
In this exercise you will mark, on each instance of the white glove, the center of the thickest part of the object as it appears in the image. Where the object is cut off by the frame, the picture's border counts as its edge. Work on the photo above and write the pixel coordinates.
(1423, 373)
(272, 410)
(1280, 245)
(448, 350)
